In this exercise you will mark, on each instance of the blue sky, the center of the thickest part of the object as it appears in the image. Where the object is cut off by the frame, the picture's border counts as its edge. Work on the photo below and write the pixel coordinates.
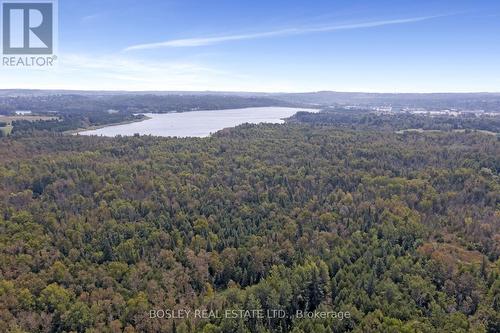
(273, 45)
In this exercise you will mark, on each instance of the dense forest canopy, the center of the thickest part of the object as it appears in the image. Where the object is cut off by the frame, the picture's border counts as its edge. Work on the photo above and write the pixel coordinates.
(401, 231)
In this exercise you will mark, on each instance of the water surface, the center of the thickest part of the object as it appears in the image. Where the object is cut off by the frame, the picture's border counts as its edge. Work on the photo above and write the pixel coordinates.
(197, 123)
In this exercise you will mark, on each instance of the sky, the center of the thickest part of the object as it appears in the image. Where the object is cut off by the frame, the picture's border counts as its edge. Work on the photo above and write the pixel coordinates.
(272, 46)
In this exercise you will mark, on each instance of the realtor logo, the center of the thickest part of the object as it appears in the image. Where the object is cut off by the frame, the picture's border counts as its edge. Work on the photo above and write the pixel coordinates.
(28, 28)
(29, 32)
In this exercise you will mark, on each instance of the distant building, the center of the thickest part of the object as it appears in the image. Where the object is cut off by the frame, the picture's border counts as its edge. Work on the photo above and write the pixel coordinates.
(384, 109)
(22, 113)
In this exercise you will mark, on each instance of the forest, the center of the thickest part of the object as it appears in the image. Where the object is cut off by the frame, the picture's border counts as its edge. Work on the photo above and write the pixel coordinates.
(400, 231)
(395, 121)
(78, 103)
(69, 121)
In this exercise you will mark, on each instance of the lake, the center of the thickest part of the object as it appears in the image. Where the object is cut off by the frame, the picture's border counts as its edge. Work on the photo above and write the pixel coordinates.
(197, 123)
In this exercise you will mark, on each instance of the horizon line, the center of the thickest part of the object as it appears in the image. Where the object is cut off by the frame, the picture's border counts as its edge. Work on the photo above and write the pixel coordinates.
(253, 92)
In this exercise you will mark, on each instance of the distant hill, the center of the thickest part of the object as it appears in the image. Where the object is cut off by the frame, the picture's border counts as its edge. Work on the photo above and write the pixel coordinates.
(186, 100)
(77, 101)
(486, 101)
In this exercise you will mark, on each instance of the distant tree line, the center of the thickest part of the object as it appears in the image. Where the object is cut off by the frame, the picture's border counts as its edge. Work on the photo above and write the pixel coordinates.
(366, 119)
(132, 103)
(68, 121)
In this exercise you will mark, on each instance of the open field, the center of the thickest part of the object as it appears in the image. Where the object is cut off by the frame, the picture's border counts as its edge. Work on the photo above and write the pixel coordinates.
(10, 119)
(5, 131)
(421, 130)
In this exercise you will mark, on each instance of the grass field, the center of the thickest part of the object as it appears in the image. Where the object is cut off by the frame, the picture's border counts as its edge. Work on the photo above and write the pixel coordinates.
(10, 119)
(5, 131)
(421, 130)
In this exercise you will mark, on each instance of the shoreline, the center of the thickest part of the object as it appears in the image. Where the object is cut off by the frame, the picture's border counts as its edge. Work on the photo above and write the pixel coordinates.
(92, 128)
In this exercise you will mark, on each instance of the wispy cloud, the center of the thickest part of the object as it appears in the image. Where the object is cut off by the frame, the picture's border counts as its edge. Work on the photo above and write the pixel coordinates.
(124, 72)
(203, 41)
(92, 17)
(136, 70)
(120, 72)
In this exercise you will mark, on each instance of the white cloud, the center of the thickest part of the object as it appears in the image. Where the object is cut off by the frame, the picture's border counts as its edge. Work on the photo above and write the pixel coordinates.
(116, 72)
(123, 72)
(92, 17)
(203, 41)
